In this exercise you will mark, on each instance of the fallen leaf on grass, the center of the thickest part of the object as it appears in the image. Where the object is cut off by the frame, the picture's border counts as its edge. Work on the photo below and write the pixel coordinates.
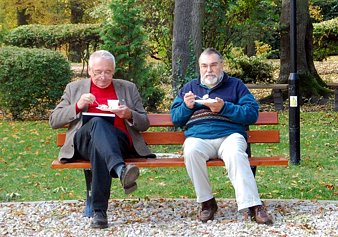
(329, 186)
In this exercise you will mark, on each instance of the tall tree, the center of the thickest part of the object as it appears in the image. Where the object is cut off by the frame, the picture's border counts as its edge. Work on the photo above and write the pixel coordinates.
(196, 27)
(187, 40)
(311, 85)
(22, 16)
(180, 44)
(159, 27)
(76, 16)
(123, 36)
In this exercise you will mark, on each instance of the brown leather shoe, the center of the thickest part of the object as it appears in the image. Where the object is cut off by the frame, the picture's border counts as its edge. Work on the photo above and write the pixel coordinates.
(208, 211)
(259, 214)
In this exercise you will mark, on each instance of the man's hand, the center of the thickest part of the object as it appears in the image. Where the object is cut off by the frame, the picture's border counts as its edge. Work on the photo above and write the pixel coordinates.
(85, 100)
(189, 99)
(123, 112)
(215, 107)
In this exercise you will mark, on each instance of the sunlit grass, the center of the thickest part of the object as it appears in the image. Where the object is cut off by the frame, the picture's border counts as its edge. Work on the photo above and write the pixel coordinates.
(28, 148)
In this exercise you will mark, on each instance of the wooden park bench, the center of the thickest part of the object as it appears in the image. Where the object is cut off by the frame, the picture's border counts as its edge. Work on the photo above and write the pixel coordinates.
(168, 137)
(277, 90)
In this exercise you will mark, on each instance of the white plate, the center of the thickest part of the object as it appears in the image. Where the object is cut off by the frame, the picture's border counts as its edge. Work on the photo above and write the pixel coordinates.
(206, 101)
(104, 109)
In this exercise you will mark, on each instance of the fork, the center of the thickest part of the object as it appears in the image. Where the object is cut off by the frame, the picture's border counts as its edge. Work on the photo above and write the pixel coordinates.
(97, 103)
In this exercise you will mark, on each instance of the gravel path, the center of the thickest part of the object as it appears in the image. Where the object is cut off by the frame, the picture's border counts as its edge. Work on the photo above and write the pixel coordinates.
(168, 217)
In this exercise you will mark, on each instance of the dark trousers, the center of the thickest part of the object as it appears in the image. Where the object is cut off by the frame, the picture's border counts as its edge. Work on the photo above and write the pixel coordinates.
(104, 146)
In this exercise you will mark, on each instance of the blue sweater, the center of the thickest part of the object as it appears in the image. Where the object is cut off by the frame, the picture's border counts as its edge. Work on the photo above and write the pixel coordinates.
(240, 109)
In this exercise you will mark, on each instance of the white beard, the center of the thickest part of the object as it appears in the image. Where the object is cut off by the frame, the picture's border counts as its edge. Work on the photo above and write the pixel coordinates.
(210, 81)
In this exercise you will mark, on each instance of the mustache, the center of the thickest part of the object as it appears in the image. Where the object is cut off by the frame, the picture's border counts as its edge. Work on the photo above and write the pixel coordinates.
(208, 75)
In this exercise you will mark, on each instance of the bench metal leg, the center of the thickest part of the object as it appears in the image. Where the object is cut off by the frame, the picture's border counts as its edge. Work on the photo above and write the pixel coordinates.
(88, 212)
(248, 151)
(253, 169)
(278, 99)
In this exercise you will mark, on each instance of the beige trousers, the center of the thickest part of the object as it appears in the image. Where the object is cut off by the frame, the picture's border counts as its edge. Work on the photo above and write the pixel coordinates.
(232, 150)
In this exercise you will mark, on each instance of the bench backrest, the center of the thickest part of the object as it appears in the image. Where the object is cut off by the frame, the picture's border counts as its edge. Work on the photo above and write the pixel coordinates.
(177, 137)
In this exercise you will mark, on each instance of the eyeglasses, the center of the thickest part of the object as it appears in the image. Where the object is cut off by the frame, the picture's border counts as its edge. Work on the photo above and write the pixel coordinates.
(102, 73)
(206, 66)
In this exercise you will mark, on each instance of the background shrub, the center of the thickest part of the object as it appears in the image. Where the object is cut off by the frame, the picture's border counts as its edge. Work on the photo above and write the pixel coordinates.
(151, 87)
(83, 36)
(2, 35)
(325, 39)
(32, 81)
(255, 69)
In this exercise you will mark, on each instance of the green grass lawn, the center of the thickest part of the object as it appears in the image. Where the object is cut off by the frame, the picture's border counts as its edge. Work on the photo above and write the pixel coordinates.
(28, 148)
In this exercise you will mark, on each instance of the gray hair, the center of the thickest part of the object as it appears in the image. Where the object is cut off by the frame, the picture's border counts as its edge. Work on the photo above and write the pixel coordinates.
(209, 51)
(101, 54)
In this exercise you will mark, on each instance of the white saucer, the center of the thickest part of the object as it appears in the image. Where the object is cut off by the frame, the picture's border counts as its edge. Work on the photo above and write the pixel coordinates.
(206, 101)
(105, 109)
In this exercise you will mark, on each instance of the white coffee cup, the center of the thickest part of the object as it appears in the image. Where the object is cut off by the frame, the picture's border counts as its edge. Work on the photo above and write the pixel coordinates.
(113, 104)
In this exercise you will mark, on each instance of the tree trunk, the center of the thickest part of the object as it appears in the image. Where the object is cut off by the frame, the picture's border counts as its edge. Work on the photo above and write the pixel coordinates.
(311, 85)
(181, 36)
(76, 16)
(196, 29)
(187, 38)
(250, 48)
(76, 12)
(21, 17)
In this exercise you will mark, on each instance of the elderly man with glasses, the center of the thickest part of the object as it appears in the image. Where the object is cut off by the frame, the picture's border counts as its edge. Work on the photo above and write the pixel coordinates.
(214, 110)
(104, 143)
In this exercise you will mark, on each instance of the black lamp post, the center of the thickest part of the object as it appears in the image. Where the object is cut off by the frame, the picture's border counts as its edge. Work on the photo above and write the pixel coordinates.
(294, 110)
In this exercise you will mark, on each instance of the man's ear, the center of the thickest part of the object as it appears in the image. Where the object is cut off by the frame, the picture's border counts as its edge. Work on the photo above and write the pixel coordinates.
(222, 64)
(89, 71)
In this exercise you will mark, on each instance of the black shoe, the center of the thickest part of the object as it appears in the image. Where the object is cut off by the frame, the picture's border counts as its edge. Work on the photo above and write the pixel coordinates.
(99, 220)
(128, 178)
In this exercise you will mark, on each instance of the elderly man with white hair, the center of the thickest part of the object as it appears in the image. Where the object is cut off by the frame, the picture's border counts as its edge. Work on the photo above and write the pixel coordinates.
(104, 143)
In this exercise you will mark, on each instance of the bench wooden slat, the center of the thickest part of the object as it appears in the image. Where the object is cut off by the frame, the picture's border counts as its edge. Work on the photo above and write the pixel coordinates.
(177, 138)
(264, 136)
(160, 120)
(163, 138)
(172, 162)
(79, 164)
(60, 139)
(164, 120)
(268, 86)
(267, 118)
